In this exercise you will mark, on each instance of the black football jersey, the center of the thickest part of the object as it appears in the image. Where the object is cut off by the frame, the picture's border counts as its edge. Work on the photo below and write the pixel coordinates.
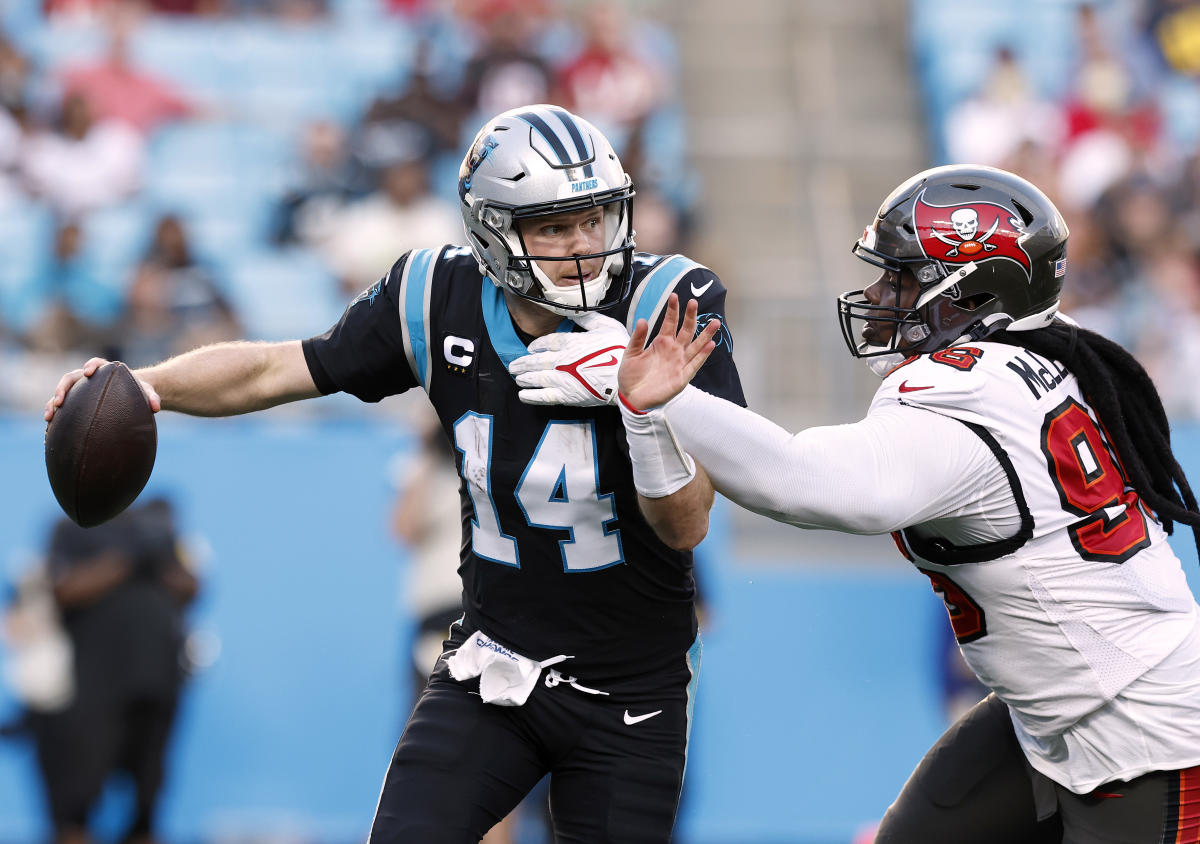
(557, 558)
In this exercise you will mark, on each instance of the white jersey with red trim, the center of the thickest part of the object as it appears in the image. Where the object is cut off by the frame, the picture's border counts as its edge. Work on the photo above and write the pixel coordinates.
(1082, 620)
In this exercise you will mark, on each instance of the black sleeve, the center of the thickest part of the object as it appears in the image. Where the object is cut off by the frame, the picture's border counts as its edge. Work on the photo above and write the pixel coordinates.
(719, 375)
(363, 354)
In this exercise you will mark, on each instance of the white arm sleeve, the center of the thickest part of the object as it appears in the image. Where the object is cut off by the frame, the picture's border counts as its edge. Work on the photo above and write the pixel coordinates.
(899, 467)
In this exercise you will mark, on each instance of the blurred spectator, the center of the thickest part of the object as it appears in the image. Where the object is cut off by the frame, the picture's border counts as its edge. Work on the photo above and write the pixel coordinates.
(427, 519)
(324, 182)
(1122, 168)
(409, 8)
(105, 10)
(118, 91)
(288, 12)
(64, 307)
(659, 227)
(1093, 296)
(121, 589)
(607, 82)
(422, 103)
(173, 304)
(84, 164)
(76, 126)
(1111, 124)
(506, 70)
(38, 670)
(15, 74)
(82, 11)
(366, 236)
(14, 80)
(992, 125)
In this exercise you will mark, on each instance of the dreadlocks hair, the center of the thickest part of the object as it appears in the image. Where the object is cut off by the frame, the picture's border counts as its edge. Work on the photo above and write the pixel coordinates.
(1128, 407)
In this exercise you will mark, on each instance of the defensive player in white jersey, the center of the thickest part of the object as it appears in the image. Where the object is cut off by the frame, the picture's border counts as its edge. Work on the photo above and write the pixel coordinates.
(1024, 465)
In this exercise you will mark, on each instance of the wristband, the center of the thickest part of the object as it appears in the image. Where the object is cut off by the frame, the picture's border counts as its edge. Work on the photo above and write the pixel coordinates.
(660, 466)
(625, 405)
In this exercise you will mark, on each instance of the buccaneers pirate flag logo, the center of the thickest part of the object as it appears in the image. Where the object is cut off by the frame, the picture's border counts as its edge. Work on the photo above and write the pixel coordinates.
(971, 231)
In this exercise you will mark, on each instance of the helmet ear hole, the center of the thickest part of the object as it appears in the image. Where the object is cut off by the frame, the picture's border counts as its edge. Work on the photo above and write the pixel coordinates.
(974, 303)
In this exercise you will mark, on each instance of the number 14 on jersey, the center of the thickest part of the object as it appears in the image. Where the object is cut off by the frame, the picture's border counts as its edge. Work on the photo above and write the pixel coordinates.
(559, 490)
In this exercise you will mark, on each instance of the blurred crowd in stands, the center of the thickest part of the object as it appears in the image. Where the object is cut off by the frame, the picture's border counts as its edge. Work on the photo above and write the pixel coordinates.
(1098, 103)
(174, 172)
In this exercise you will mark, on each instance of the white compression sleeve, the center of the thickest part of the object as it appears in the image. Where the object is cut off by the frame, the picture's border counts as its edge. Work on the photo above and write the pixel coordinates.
(901, 466)
(660, 466)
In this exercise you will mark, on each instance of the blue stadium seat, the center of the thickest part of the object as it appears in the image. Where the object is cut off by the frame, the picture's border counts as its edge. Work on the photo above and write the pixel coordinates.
(375, 56)
(56, 45)
(115, 239)
(21, 20)
(26, 238)
(290, 75)
(190, 54)
(201, 166)
(1179, 101)
(282, 295)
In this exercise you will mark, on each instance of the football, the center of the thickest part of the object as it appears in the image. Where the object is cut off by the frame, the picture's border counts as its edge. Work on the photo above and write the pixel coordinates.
(100, 446)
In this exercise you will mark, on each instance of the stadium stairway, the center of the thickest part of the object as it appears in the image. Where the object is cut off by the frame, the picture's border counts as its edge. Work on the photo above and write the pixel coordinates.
(803, 115)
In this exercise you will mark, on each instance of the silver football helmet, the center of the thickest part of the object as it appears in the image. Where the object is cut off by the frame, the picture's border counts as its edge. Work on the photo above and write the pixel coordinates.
(539, 160)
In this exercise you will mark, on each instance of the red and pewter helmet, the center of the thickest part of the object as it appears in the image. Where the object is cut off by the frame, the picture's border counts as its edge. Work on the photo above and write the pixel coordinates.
(987, 248)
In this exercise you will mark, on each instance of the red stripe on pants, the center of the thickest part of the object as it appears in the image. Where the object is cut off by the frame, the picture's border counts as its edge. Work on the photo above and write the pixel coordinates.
(1188, 827)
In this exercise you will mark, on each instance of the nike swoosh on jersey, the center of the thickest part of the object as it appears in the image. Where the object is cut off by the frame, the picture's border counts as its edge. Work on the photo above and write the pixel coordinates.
(634, 719)
(904, 388)
(699, 291)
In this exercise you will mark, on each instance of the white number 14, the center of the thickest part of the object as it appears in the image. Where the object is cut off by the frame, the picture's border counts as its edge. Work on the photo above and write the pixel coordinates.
(559, 490)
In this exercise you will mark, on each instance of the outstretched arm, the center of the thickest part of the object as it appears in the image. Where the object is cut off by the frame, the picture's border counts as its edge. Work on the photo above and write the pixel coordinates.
(650, 376)
(225, 379)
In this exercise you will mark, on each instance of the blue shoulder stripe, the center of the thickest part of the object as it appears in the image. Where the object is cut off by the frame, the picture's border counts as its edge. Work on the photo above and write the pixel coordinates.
(650, 297)
(501, 333)
(414, 310)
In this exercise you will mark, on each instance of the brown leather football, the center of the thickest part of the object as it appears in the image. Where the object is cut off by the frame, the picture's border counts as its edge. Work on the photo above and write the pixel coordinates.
(100, 446)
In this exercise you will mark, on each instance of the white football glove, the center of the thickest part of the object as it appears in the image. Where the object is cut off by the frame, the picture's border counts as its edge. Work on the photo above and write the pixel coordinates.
(573, 368)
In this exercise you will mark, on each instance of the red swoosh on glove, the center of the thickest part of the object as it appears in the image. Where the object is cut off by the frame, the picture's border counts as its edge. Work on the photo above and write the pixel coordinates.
(573, 368)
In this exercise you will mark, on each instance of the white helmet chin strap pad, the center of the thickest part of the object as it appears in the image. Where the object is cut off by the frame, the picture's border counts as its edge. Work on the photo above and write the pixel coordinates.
(570, 297)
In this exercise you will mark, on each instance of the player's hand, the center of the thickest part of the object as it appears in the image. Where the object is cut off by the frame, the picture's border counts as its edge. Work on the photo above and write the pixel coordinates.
(652, 375)
(87, 371)
(573, 368)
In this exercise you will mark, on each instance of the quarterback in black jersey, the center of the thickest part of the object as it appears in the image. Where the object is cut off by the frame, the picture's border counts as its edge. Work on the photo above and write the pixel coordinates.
(577, 651)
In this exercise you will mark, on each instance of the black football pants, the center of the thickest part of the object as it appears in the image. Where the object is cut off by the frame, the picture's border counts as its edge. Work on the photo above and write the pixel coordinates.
(462, 765)
(975, 787)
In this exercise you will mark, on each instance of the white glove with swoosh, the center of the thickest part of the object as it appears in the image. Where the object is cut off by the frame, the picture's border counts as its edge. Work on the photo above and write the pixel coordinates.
(574, 368)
